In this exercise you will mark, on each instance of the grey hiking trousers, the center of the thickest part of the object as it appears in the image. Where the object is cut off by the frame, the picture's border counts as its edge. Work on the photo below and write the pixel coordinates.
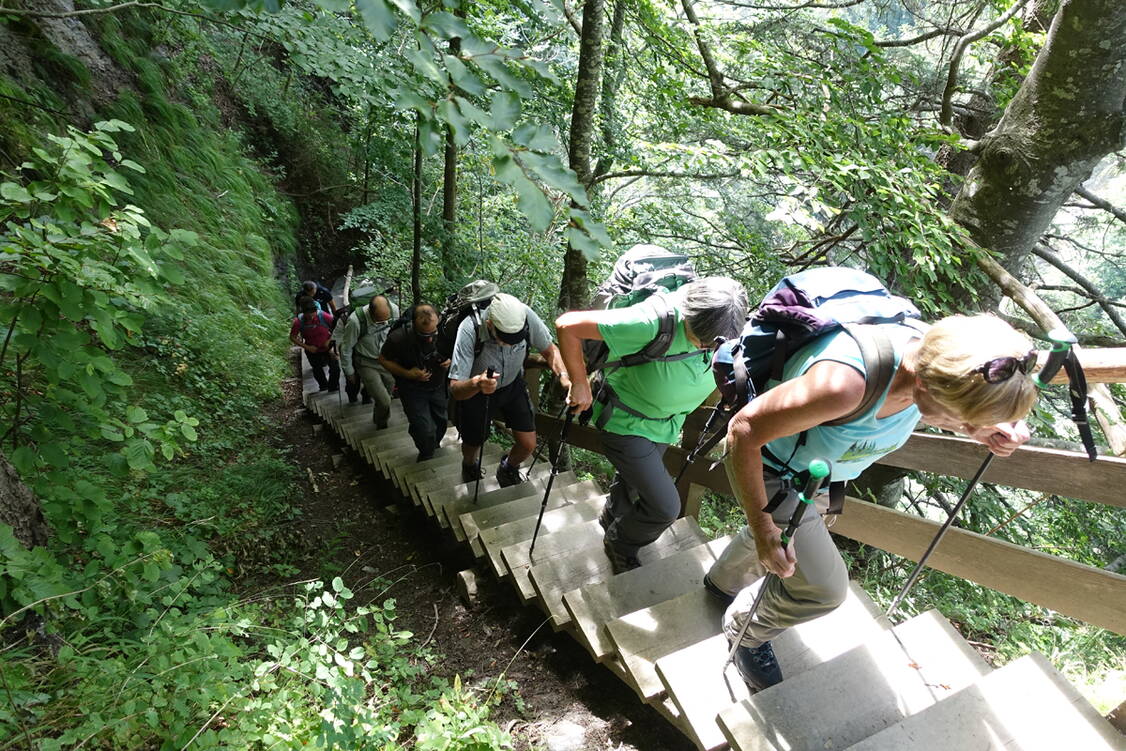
(378, 383)
(817, 587)
(643, 500)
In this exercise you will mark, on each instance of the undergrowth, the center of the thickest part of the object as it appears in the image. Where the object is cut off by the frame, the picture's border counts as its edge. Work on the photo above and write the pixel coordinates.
(147, 332)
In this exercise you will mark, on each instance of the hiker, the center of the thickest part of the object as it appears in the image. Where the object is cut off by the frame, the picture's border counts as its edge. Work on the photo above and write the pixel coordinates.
(640, 409)
(320, 294)
(360, 344)
(966, 374)
(499, 344)
(312, 332)
(410, 354)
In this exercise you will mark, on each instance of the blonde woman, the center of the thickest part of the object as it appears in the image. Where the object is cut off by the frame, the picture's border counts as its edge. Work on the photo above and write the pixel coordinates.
(970, 374)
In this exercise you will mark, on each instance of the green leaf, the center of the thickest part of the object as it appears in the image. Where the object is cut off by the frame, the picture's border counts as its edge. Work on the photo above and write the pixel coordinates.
(409, 8)
(496, 67)
(462, 77)
(139, 453)
(505, 110)
(135, 414)
(378, 18)
(425, 66)
(556, 175)
(534, 205)
(23, 459)
(168, 451)
(445, 25)
(337, 584)
(580, 240)
(15, 192)
(536, 137)
(188, 431)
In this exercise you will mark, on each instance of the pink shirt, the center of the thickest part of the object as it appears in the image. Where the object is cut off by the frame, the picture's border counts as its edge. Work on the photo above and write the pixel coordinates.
(315, 331)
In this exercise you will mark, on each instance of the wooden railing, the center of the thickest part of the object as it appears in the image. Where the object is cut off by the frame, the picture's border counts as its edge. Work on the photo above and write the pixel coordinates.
(1084, 592)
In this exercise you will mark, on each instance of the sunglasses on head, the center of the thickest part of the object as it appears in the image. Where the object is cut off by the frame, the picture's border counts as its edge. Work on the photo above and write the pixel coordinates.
(1001, 369)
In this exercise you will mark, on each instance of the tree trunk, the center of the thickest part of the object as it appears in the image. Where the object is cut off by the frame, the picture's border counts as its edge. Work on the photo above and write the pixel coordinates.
(449, 190)
(1067, 115)
(19, 508)
(416, 213)
(573, 291)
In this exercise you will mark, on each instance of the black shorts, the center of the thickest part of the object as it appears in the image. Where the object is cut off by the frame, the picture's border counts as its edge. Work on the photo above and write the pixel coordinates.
(512, 402)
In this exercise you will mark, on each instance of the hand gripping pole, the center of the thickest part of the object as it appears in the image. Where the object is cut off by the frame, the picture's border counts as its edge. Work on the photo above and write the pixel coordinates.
(819, 469)
(490, 373)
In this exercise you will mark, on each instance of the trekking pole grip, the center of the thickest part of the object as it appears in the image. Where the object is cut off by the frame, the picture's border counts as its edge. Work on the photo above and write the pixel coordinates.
(1062, 341)
(819, 469)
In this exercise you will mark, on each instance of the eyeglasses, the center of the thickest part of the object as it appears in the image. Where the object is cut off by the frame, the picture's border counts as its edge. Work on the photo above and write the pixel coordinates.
(1001, 369)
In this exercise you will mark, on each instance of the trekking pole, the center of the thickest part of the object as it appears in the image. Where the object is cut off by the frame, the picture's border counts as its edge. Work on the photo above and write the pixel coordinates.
(538, 453)
(484, 435)
(1061, 339)
(702, 443)
(551, 479)
(819, 469)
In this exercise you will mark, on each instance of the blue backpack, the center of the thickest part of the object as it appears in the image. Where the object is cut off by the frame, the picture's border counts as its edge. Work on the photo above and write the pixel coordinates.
(801, 308)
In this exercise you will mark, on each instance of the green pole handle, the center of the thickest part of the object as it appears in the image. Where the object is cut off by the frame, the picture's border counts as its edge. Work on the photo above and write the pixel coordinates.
(1062, 341)
(819, 469)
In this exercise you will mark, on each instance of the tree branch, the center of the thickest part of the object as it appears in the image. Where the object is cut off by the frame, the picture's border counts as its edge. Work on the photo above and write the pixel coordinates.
(1037, 333)
(570, 15)
(920, 38)
(721, 97)
(1101, 203)
(1043, 251)
(658, 173)
(946, 114)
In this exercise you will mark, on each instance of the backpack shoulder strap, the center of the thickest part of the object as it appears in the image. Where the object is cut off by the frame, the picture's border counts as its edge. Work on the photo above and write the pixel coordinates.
(657, 348)
(878, 354)
(363, 315)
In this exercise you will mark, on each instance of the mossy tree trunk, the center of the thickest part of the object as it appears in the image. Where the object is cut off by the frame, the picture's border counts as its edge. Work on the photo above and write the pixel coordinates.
(573, 291)
(19, 508)
(1068, 114)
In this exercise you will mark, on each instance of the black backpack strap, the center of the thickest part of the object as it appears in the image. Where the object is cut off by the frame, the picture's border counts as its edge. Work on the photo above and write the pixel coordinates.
(878, 354)
(656, 350)
(610, 402)
(1077, 390)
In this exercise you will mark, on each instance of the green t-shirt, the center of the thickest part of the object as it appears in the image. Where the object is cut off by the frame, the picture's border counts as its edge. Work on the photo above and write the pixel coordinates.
(667, 391)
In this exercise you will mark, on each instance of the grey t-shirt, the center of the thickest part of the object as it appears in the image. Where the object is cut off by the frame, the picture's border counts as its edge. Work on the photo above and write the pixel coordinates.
(507, 361)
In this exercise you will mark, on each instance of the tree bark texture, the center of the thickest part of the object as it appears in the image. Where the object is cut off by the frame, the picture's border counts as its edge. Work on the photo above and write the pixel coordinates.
(19, 508)
(1067, 115)
(416, 214)
(449, 189)
(573, 292)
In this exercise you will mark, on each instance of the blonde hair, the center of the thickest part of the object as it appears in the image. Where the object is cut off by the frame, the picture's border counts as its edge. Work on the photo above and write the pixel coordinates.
(950, 352)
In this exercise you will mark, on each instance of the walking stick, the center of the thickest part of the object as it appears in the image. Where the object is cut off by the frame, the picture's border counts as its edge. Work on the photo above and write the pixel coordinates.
(819, 469)
(551, 479)
(1062, 339)
(490, 373)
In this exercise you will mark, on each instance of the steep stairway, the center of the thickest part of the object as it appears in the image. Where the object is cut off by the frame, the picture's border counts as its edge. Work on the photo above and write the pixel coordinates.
(853, 681)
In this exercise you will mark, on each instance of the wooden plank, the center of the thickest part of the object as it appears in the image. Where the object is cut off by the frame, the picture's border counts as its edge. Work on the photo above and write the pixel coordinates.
(1066, 473)
(592, 605)
(473, 518)
(1084, 592)
(643, 637)
(564, 515)
(693, 677)
(552, 578)
(578, 539)
(1025, 705)
(1100, 365)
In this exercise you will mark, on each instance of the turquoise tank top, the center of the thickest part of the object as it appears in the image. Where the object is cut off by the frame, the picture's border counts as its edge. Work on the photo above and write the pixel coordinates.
(857, 445)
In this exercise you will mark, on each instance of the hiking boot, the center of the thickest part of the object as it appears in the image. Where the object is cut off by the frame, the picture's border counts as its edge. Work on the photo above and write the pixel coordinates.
(469, 473)
(720, 596)
(758, 667)
(619, 561)
(365, 399)
(424, 457)
(605, 519)
(508, 475)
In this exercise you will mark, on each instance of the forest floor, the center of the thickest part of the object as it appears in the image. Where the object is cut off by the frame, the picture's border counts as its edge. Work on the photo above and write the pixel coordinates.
(356, 520)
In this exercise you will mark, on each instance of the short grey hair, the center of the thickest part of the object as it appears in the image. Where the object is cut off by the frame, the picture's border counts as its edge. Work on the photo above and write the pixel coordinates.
(714, 306)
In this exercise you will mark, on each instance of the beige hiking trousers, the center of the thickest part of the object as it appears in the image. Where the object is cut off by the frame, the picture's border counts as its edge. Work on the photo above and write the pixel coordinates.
(819, 584)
